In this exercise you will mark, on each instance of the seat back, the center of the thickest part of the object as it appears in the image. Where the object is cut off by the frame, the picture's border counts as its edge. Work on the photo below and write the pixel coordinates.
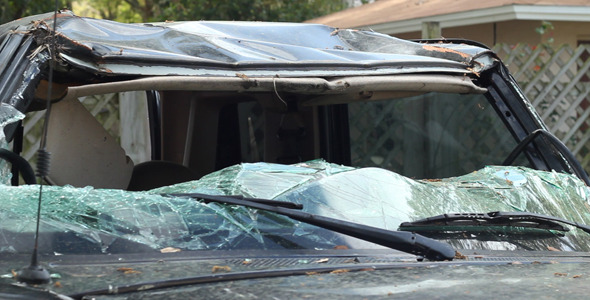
(83, 153)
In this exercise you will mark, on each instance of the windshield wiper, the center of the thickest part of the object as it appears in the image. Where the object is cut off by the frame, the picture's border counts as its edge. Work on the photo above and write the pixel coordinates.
(274, 203)
(399, 240)
(497, 218)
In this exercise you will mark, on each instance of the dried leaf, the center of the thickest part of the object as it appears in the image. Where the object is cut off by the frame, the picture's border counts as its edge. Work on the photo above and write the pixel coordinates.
(341, 247)
(458, 255)
(577, 276)
(432, 180)
(312, 273)
(57, 284)
(243, 76)
(473, 71)
(124, 269)
(128, 271)
(367, 269)
(516, 263)
(218, 269)
(246, 261)
(339, 271)
(558, 274)
(169, 250)
(552, 249)
(321, 261)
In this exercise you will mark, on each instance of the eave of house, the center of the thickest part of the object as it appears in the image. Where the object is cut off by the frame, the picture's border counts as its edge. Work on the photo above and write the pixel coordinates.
(488, 15)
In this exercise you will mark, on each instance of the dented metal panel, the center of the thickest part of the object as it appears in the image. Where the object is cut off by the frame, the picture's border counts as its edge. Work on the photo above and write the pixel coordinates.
(224, 48)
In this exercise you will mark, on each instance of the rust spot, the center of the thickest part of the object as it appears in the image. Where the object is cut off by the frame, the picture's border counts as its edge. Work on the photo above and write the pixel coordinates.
(444, 50)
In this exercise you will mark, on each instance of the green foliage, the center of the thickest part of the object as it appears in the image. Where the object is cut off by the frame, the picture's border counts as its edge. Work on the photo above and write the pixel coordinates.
(250, 10)
(239, 10)
(14, 9)
(546, 31)
(179, 10)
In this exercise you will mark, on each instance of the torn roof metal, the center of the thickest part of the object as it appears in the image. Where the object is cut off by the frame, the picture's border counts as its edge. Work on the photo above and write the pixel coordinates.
(259, 49)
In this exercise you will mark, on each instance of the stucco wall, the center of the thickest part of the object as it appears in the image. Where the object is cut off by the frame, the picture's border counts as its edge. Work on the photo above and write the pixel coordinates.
(570, 32)
(513, 32)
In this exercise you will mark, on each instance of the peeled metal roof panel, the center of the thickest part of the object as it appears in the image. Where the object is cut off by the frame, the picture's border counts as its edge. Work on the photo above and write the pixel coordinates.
(224, 48)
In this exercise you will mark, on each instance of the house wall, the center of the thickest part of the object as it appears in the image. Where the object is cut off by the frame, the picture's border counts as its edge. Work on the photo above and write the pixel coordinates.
(514, 32)
(570, 32)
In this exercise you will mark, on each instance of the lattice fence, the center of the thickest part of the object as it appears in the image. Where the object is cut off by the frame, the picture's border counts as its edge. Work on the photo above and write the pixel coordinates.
(557, 82)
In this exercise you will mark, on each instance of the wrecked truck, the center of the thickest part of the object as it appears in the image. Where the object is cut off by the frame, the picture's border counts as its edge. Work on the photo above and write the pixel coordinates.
(278, 160)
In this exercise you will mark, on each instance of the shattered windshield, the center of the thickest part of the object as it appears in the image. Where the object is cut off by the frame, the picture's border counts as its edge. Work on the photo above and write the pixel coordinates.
(87, 220)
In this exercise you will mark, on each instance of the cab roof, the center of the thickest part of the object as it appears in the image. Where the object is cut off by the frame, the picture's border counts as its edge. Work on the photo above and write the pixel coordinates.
(230, 48)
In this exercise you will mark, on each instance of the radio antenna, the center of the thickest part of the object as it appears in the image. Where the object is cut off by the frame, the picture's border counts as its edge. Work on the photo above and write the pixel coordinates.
(35, 273)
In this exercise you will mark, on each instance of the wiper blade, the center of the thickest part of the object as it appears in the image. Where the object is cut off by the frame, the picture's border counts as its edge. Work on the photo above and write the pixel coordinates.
(497, 218)
(270, 202)
(408, 242)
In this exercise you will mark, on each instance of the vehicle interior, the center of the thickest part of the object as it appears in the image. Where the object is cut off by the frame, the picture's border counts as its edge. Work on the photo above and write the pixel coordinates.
(417, 125)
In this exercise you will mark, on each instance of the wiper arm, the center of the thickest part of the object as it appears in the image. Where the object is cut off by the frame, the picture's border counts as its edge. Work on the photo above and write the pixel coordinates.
(399, 240)
(497, 218)
(270, 202)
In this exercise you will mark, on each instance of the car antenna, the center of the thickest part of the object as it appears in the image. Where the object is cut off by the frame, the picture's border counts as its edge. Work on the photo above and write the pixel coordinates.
(35, 273)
